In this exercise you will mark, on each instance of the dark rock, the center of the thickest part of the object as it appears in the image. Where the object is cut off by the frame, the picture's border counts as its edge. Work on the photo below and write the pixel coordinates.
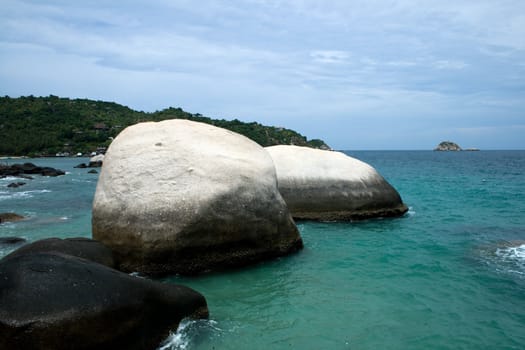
(80, 247)
(11, 240)
(51, 172)
(28, 168)
(81, 166)
(92, 171)
(16, 184)
(10, 217)
(95, 164)
(57, 301)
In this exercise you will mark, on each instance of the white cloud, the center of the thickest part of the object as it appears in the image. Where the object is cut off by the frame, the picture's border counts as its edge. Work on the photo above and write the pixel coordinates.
(329, 56)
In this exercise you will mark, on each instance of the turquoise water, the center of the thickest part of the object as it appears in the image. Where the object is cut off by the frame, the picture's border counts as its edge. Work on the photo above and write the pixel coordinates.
(448, 275)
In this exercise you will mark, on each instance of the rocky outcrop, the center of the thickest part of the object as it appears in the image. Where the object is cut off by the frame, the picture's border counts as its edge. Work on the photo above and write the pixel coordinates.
(20, 170)
(326, 185)
(10, 217)
(84, 248)
(186, 197)
(448, 146)
(57, 301)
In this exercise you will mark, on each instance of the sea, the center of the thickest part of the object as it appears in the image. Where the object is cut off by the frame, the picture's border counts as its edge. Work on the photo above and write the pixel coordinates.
(450, 274)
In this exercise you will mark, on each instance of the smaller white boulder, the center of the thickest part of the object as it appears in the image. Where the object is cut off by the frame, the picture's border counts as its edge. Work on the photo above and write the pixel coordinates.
(327, 185)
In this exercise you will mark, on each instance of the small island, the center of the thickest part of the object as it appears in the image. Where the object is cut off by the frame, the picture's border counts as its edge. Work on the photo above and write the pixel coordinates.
(448, 146)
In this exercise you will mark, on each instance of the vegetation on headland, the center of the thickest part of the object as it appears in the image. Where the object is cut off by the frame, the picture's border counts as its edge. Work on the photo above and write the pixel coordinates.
(39, 126)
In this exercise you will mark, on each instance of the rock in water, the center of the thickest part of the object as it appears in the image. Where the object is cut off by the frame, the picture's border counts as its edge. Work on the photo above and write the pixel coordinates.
(57, 301)
(184, 197)
(326, 185)
(96, 161)
(10, 217)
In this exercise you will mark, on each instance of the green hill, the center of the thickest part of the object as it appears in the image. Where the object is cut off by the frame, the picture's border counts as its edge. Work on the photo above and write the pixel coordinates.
(39, 126)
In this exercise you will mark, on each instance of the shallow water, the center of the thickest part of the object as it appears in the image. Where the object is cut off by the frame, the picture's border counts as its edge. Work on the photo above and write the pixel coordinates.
(448, 275)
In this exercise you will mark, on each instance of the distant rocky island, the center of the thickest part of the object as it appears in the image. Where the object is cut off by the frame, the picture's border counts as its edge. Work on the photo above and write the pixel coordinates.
(69, 127)
(448, 146)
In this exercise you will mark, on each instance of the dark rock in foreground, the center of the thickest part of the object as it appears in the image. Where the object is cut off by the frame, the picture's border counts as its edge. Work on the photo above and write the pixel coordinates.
(11, 240)
(28, 168)
(57, 301)
(448, 146)
(10, 217)
(80, 247)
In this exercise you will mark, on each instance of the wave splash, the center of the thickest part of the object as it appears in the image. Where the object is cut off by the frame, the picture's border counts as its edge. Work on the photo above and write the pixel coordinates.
(187, 333)
(514, 257)
(18, 195)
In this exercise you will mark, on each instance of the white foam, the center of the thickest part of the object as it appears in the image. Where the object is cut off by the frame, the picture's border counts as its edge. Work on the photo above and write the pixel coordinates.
(179, 340)
(10, 178)
(188, 329)
(18, 195)
(513, 253)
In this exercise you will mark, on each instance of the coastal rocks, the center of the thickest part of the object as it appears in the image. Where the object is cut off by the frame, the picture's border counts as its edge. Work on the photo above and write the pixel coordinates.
(96, 161)
(84, 248)
(184, 197)
(325, 185)
(10, 217)
(57, 301)
(448, 146)
(92, 171)
(28, 168)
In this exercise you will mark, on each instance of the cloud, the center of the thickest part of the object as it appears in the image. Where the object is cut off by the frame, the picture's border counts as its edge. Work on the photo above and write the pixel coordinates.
(329, 56)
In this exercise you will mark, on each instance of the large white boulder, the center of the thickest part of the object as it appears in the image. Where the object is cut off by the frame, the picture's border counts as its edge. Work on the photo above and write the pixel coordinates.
(328, 185)
(184, 197)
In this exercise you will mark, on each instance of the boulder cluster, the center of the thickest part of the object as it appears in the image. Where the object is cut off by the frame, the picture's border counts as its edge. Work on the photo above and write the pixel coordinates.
(184, 197)
(174, 197)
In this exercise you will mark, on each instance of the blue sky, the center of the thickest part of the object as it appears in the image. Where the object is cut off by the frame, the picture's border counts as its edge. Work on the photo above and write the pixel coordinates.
(390, 74)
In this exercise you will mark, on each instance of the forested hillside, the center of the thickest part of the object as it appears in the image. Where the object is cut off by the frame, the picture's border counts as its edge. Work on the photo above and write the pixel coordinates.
(38, 126)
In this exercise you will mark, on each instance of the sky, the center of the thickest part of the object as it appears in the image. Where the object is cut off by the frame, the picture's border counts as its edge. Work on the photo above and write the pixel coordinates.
(359, 74)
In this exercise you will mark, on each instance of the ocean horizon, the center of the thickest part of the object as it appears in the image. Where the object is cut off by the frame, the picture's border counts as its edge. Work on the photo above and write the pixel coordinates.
(450, 274)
